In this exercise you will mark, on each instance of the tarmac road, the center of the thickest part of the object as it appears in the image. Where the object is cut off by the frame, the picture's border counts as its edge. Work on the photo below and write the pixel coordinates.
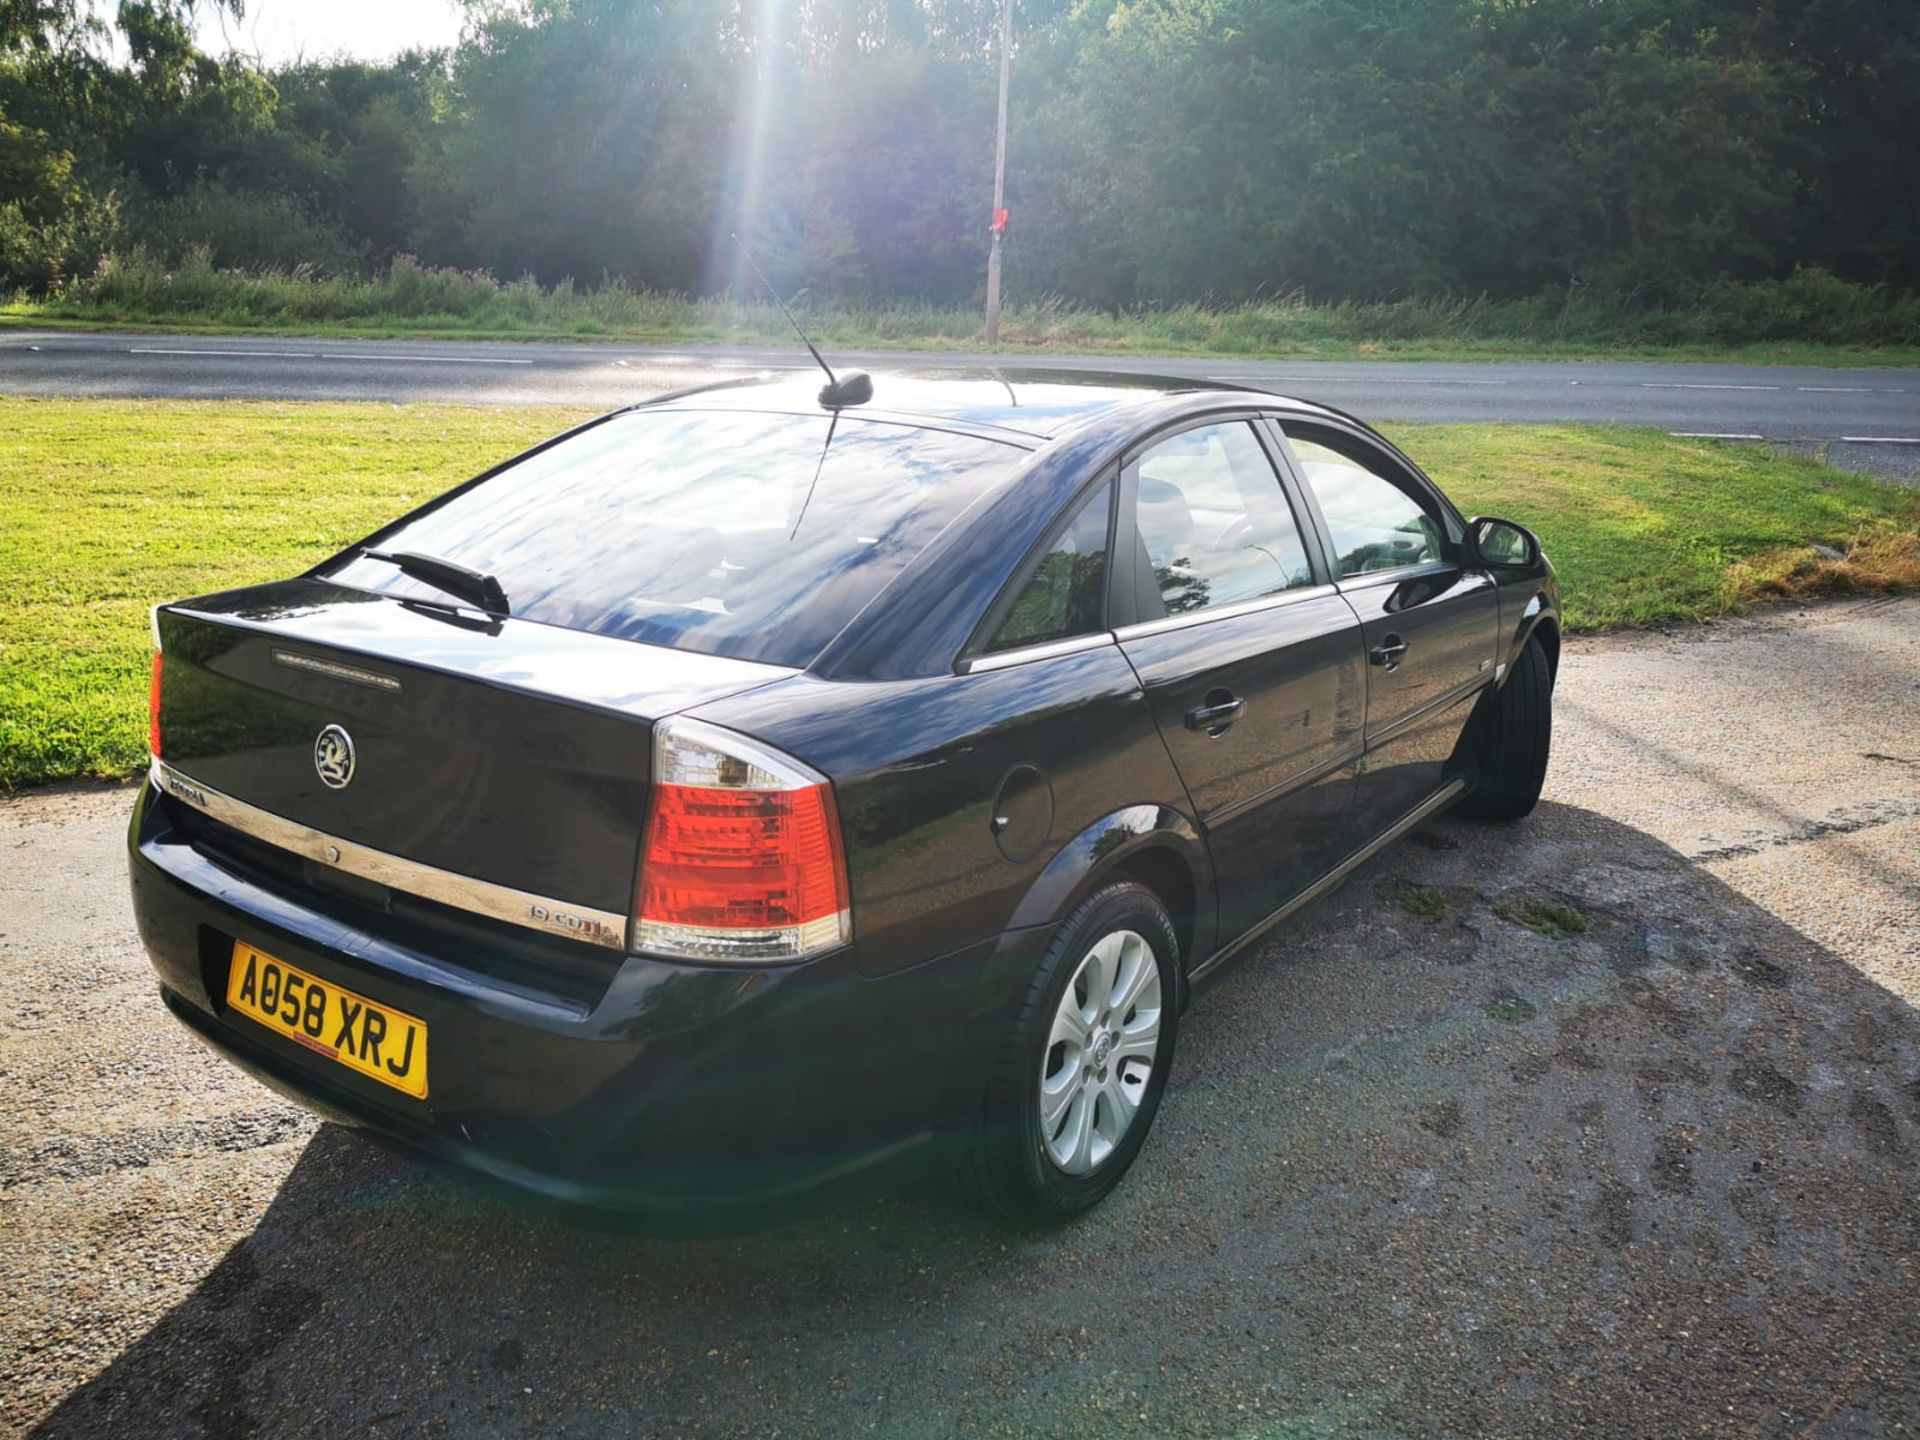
(1870, 417)
(1777, 402)
(1447, 1177)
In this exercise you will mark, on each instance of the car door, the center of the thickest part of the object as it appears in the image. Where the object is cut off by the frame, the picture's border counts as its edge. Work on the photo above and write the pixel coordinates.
(1430, 616)
(1251, 660)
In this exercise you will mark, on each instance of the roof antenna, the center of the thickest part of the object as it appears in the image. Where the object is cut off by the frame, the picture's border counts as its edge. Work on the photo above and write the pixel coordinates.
(856, 389)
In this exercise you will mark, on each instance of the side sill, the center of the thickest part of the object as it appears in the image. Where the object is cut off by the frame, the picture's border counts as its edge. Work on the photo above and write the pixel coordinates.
(1439, 800)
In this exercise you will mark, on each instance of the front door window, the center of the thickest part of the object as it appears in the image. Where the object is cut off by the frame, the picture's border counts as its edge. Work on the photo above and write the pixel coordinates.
(1214, 523)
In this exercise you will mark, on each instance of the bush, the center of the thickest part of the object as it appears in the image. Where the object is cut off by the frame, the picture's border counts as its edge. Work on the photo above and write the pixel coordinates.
(1811, 306)
(246, 230)
(52, 223)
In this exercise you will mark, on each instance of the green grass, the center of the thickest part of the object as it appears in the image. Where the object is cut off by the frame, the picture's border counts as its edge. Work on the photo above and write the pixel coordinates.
(1810, 318)
(1543, 917)
(1511, 1010)
(109, 506)
(1646, 527)
(1424, 903)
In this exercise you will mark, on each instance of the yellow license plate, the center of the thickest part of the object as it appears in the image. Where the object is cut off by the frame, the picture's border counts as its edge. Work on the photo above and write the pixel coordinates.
(380, 1043)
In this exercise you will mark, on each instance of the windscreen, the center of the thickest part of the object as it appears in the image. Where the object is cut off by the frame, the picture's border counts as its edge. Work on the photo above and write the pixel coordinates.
(751, 535)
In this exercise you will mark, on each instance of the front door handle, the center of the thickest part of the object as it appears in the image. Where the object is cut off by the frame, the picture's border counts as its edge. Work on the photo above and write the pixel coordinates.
(1218, 714)
(1388, 652)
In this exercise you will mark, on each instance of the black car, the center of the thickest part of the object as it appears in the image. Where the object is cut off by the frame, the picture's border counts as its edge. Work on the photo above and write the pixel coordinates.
(747, 785)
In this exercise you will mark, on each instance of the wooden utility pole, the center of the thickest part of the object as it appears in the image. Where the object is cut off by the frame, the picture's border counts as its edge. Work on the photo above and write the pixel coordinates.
(999, 179)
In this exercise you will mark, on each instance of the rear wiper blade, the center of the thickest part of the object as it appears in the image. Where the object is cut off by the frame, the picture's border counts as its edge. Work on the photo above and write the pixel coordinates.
(469, 585)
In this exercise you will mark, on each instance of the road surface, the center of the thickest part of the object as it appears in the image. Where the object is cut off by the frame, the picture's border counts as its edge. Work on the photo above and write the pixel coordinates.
(1857, 419)
(1871, 416)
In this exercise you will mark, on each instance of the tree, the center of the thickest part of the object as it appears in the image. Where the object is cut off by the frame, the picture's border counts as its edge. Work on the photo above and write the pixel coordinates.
(1162, 150)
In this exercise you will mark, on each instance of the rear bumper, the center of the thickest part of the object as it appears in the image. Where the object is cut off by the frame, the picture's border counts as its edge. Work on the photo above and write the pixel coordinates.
(678, 1089)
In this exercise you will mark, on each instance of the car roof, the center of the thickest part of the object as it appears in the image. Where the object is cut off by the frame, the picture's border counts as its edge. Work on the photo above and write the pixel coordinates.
(1019, 405)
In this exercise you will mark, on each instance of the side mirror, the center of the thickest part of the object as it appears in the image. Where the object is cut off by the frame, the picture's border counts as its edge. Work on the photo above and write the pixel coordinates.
(1503, 545)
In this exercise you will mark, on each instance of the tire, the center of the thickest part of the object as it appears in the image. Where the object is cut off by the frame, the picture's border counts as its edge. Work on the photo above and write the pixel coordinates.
(1040, 1174)
(1517, 736)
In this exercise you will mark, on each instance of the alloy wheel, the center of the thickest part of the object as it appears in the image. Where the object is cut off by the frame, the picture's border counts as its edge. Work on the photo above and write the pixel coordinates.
(1100, 1052)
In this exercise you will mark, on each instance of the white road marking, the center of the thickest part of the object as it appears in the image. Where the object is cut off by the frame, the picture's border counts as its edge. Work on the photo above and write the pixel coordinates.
(1881, 439)
(1711, 435)
(431, 359)
(1695, 385)
(1850, 389)
(338, 355)
(1360, 379)
(281, 354)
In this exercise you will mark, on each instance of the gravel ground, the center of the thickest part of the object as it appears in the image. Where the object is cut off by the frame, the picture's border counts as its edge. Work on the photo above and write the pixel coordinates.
(1896, 464)
(1436, 1173)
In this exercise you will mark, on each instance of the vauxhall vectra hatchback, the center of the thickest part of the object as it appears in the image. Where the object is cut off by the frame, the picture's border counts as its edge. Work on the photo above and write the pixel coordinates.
(748, 785)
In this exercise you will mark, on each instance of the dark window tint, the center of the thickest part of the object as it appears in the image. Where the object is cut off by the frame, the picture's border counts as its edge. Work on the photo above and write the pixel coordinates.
(1065, 595)
(757, 536)
(1214, 522)
(1375, 524)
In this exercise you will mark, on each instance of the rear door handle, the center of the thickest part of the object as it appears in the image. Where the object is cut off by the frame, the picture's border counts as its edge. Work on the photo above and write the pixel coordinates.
(1388, 652)
(1216, 716)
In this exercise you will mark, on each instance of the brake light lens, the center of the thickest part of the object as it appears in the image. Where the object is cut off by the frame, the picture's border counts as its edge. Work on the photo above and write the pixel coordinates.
(743, 860)
(153, 693)
(153, 709)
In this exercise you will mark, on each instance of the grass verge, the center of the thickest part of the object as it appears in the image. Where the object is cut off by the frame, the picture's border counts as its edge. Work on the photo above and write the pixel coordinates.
(1646, 527)
(109, 506)
(1809, 318)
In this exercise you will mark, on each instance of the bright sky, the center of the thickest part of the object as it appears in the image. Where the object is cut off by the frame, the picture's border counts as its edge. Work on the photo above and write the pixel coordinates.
(282, 30)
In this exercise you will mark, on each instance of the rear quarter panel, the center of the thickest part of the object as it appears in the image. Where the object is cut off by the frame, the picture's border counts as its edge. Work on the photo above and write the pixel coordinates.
(916, 767)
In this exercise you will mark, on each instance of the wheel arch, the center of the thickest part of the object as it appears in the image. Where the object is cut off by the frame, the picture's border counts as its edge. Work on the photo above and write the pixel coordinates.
(1153, 845)
(1165, 872)
(1540, 617)
(1547, 627)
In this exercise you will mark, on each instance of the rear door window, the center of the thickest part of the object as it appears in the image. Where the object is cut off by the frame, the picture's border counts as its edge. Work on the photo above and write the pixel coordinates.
(752, 535)
(1066, 594)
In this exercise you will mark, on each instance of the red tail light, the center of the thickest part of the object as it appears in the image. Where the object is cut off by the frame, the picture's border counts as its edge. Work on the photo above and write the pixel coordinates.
(152, 709)
(743, 859)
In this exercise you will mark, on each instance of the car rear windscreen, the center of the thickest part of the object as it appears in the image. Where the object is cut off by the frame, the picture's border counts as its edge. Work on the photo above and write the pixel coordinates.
(752, 535)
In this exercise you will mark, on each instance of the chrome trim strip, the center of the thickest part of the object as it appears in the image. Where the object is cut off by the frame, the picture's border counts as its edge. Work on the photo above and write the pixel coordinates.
(1439, 799)
(1052, 650)
(1275, 601)
(333, 670)
(462, 892)
(1317, 771)
(1427, 711)
(1399, 575)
